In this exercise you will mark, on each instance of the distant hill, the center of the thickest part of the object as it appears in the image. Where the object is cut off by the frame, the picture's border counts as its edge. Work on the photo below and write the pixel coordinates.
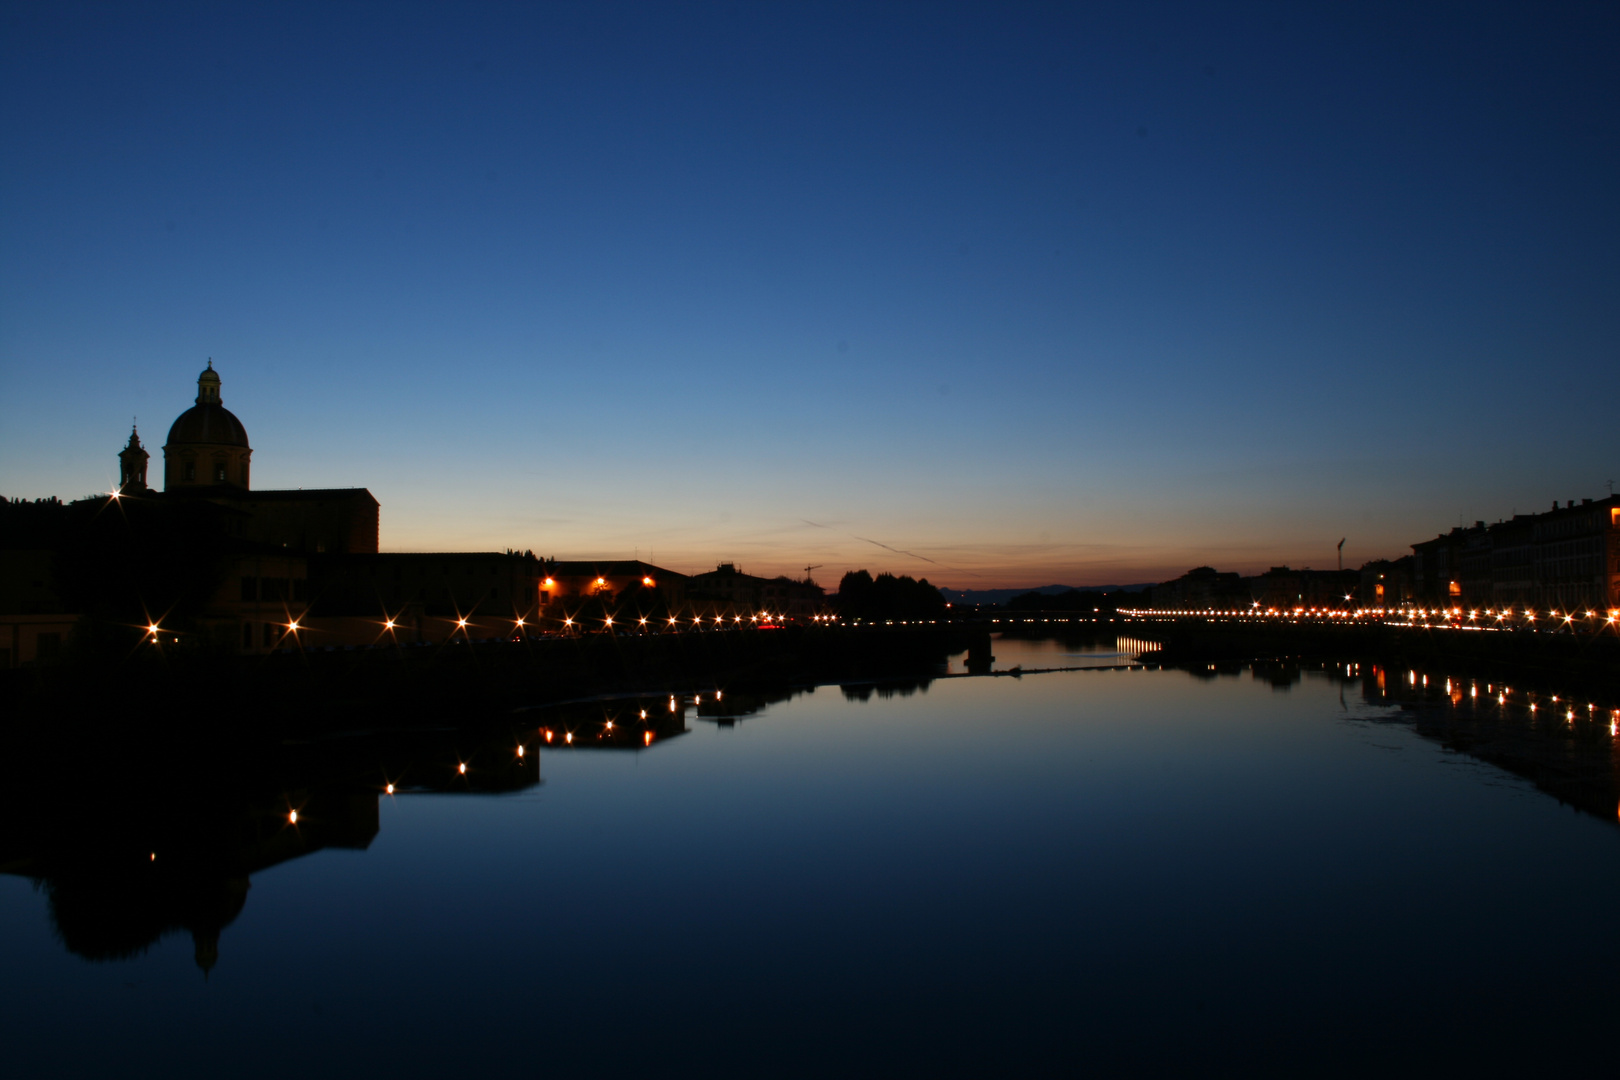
(1001, 596)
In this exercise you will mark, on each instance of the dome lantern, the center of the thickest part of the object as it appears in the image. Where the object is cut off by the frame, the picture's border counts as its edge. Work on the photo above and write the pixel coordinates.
(208, 385)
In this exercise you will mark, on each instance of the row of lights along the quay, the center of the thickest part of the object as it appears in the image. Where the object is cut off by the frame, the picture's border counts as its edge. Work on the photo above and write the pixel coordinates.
(1431, 618)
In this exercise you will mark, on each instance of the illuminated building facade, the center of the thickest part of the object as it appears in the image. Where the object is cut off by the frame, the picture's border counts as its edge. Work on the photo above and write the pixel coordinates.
(568, 581)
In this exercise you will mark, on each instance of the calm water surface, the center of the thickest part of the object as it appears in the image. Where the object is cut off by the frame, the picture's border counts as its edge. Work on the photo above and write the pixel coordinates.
(1114, 871)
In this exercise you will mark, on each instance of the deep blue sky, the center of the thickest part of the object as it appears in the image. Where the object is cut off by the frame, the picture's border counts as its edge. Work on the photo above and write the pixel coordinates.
(1089, 294)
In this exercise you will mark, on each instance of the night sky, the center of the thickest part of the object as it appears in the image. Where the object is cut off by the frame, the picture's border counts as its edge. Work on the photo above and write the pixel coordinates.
(1082, 293)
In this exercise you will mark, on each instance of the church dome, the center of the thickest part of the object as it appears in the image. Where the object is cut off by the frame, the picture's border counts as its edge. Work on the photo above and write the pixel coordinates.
(208, 421)
(212, 424)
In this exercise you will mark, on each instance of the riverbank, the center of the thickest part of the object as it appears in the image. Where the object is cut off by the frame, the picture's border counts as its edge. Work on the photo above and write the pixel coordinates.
(1583, 663)
(462, 684)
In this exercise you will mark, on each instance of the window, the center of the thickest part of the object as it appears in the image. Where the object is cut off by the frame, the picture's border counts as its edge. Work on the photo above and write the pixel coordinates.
(191, 471)
(269, 635)
(219, 473)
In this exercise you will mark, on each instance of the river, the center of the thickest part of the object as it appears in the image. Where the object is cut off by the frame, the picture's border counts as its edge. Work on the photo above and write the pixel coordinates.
(1118, 869)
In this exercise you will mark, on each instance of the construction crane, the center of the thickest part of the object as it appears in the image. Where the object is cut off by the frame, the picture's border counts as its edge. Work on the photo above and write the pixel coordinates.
(807, 570)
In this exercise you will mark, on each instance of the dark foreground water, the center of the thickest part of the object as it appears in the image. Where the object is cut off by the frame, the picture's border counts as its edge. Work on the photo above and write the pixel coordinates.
(1100, 871)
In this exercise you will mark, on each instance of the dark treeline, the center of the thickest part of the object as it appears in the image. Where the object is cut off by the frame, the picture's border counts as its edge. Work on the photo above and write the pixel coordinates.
(861, 596)
(1076, 600)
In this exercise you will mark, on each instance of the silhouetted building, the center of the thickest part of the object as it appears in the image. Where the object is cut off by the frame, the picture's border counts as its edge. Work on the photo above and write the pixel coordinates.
(1386, 583)
(725, 590)
(1284, 588)
(1201, 589)
(1565, 559)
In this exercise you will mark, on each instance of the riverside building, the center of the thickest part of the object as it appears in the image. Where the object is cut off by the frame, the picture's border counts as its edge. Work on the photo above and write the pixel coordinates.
(1565, 559)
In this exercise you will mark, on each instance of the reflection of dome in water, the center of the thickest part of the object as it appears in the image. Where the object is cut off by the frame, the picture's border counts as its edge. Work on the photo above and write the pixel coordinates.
(118, 918)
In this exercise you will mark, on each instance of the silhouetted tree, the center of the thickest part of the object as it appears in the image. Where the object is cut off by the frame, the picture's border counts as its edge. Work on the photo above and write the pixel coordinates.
(861, 596)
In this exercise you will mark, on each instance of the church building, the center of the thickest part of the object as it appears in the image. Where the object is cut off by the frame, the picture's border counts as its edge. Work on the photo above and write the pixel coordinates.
(306, 570)
(208, 456)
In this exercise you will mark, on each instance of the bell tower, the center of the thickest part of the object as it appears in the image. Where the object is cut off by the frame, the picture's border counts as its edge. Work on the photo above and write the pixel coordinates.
(132, 464)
